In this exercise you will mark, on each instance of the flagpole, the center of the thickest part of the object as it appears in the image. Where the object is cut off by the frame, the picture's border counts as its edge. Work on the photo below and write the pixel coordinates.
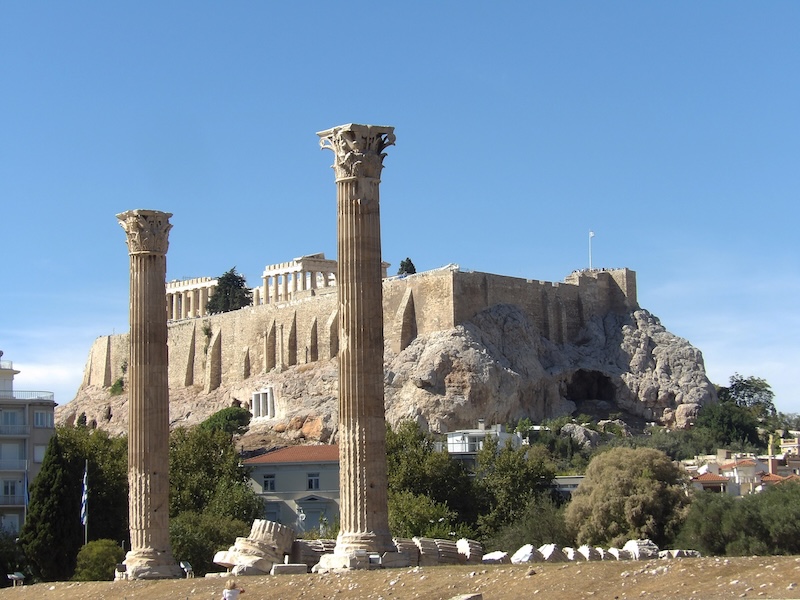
(591, 235)
(85, 503)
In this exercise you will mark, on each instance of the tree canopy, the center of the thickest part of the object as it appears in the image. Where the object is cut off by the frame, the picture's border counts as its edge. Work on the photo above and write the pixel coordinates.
(507, 479)
(406, 267)
(732, 426)
(232, 420)
(53, 533)
(628, 494)
(761, 524)
(752, 393)
(230, 294)
(417, 470)
(205, 473)
(211, 502)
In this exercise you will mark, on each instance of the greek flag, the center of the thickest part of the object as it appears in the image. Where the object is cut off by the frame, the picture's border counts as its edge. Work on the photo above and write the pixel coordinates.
(85, 496)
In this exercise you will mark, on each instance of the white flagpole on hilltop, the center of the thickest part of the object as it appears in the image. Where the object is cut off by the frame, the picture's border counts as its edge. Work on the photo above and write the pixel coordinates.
(591, 235)
(85, 504)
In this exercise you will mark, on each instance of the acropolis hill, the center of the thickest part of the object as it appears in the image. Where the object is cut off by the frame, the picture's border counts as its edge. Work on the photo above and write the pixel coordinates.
(460, 346)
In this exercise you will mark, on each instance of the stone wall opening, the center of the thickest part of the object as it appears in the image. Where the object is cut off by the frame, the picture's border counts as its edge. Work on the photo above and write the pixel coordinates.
(593, 394)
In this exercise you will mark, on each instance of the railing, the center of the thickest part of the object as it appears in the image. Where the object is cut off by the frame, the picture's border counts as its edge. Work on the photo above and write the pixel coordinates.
(6, 364)
(22, 395)
(13, 465)
(15, 430)
(18, 500)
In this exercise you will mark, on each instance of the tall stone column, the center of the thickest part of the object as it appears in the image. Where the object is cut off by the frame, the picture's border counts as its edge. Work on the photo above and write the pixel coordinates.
(364, 519)
(150, 556)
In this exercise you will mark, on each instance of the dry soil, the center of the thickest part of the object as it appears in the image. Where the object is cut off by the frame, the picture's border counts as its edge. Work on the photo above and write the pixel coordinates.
(701, 578)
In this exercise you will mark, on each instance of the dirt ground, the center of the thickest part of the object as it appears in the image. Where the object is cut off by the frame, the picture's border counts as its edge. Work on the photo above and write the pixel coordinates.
(701, 578)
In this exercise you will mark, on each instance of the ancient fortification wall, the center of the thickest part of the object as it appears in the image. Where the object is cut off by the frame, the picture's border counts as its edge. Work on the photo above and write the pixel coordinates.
(205, 352)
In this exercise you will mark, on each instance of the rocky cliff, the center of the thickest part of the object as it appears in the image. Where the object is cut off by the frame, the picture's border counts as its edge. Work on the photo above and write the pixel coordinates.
(495, 366)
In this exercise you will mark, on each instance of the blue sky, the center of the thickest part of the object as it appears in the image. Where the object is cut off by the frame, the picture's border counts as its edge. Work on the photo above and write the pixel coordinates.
(670, 129)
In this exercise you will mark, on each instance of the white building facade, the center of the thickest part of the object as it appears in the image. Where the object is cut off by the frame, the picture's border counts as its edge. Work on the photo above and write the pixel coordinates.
(299, 485)
(26, 426)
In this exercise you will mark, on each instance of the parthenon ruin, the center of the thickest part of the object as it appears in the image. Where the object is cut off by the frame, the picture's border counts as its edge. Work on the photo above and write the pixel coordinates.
(301, 277)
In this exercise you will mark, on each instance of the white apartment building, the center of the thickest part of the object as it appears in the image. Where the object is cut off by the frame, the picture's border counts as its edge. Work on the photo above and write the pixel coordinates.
(26, 426)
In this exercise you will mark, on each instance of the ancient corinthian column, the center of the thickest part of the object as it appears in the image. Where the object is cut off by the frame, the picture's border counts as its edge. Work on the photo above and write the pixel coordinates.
(364, 515)
(150, 556)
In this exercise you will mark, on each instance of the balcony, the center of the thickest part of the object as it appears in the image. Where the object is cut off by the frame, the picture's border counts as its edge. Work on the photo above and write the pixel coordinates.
(15, 430)
(15, 500)
(13, 465)
(26, 396)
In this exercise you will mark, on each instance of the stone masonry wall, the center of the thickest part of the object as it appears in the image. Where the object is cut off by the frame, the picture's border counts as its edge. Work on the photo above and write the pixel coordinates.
(229, 348)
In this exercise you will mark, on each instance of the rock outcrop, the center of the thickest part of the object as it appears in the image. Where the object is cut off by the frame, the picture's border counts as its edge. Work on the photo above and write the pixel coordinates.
(497, 367)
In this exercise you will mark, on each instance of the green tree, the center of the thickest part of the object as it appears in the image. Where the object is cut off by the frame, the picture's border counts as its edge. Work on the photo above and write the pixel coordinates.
(97, 561)
(230, 294)
(762, 524)
(11, 557)
(406, 267)
(196, 537)
(415, 466)
(107, 459)
(628, 494)
(540, 522)
(508, 479)
(731, 425)
(205, 471)
(52, 533)
(233, 420)
(413, 514)
(55, 497)
(752, 393)
(706, 527)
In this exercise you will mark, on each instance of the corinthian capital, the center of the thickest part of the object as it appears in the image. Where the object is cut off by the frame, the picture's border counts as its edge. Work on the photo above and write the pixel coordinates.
(358, 149)
(147, 230)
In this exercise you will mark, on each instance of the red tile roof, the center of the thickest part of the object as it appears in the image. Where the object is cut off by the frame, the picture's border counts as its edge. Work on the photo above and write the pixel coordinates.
(297, 454)
(746, 462)
(771, 478)
(710, 478)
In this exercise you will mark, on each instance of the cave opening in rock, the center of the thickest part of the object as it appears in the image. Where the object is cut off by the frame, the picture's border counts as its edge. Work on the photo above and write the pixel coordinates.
(593, 394)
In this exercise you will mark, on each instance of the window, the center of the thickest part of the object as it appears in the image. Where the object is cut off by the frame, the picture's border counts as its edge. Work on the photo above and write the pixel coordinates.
(9, 523)
(43, 418)
(269, 482)
(12, 417)
(313, 481)
(9, 488)
(272, 512)
(38, 452)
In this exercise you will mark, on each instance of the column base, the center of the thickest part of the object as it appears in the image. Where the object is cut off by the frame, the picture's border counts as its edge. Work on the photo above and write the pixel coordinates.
(371, 543)
(147, 563)
(361, 560)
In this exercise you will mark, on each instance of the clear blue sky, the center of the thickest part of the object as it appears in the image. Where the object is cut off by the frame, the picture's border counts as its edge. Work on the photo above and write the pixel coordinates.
(671, 129)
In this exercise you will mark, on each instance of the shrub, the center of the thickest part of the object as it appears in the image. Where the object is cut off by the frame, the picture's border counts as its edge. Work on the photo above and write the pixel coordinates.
(97, 560)
(117, 387)
(196, 537)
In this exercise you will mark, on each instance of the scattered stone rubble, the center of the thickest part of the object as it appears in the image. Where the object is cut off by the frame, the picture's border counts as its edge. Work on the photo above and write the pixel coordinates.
(272, 549)
(633, 550)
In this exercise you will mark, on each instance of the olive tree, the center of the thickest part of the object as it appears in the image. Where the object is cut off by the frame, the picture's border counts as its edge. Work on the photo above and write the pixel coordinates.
(628, 493)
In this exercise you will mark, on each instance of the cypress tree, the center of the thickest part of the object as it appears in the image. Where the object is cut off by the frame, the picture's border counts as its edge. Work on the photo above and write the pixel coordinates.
(52, 534)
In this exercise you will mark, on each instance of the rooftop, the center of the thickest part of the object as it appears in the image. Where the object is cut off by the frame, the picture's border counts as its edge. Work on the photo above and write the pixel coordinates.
(297, 454)
(710, 478)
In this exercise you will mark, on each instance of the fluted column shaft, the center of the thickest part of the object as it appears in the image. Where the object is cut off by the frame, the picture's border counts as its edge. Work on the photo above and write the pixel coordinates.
(148, 397)
(364, 521)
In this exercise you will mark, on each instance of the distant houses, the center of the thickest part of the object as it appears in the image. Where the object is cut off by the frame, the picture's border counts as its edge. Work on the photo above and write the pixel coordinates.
(743, 474)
